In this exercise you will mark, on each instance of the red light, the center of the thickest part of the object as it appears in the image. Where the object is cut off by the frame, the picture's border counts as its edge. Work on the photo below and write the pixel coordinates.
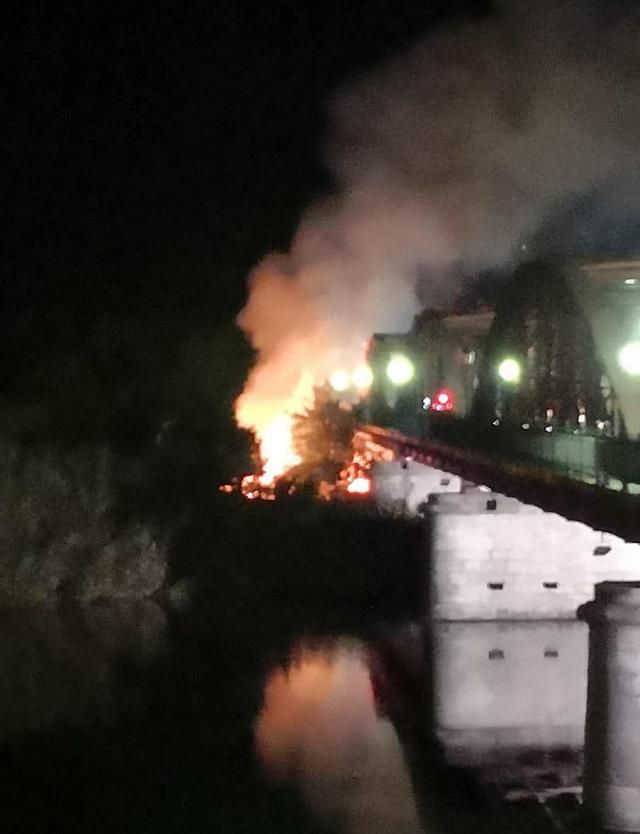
(442, 401)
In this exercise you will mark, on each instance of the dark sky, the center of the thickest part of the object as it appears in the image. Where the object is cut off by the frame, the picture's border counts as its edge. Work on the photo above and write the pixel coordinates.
(157, 149)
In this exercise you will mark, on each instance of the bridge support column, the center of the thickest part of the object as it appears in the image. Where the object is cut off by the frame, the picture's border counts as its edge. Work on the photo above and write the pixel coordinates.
(495, 558)
(612, 732)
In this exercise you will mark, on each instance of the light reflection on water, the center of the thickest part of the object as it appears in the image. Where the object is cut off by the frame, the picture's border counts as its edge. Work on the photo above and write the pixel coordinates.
(507, 703)
(352, 725)
(319, 728)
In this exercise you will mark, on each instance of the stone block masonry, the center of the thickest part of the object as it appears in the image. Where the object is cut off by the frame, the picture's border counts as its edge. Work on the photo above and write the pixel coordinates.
(402, 486)
(493, 557)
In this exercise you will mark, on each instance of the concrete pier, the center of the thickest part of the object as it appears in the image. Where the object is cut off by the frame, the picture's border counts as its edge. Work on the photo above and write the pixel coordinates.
(402, 486)
(495, 558)
(612, 732)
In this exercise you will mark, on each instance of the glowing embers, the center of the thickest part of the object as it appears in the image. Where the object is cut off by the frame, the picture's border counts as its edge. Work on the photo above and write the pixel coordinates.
(278, 457)
(442, 401)
(355, 479)
(250, 487)
(353, 482)
(359, 486)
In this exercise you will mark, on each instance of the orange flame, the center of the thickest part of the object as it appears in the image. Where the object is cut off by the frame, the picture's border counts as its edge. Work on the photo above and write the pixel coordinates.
(276, 449)
(301, 341)
(359, 486)
(273, 432)
(271, 417)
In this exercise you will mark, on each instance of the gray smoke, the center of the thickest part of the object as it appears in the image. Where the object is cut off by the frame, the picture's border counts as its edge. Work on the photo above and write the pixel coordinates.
(449, 159)
(500, 127)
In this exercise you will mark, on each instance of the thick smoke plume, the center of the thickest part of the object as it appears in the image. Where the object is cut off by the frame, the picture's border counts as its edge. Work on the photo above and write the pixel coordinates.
(449, 160)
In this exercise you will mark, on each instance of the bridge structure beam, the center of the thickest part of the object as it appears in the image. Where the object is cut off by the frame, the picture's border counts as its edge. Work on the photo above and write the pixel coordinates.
(603, 289)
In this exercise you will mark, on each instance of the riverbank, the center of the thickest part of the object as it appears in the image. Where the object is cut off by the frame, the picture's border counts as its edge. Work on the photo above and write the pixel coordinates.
(64, 529)
(165, 741)
(90, 525)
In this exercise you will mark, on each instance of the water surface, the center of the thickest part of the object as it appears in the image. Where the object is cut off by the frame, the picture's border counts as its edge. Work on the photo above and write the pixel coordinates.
(119, 718)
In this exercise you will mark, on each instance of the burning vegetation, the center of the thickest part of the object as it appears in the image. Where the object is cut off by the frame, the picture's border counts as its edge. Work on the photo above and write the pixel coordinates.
(322, 456)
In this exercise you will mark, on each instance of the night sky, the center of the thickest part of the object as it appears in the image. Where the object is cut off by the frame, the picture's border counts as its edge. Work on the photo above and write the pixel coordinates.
(155, 150)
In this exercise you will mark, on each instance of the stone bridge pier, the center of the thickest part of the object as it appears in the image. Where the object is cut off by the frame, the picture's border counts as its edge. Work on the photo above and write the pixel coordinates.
(612, 738)
(493, 557)
(517, 676)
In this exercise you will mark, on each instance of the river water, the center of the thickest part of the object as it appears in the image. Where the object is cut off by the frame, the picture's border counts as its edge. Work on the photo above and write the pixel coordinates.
(122, 719)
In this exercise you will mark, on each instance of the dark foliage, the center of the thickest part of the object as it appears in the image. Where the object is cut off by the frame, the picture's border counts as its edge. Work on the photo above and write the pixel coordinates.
(322, 438)
(181, 758)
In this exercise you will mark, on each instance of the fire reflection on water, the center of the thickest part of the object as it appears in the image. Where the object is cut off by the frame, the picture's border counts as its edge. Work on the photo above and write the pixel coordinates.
(319, 728)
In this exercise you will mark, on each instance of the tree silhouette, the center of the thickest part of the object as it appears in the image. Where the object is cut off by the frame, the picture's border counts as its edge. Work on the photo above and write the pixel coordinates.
(322, 438)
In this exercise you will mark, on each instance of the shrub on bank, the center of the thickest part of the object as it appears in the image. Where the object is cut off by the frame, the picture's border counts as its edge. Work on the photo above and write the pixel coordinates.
(59, 530)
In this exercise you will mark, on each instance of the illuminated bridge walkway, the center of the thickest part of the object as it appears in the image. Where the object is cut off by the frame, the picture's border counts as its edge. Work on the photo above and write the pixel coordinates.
(541, 485)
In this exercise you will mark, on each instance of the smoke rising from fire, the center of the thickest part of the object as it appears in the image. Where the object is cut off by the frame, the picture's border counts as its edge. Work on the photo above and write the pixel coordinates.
(448, 159)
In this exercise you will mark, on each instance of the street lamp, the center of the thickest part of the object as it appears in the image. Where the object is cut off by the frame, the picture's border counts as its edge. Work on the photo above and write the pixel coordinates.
(509, 370)
(339, 381)
(400, 369)
(629, 358)
(362, 377)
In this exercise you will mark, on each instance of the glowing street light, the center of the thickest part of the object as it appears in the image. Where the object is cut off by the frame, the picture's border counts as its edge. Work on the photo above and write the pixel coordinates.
(629, 358)
(509, 370)
(400, 369)
(362, 377)
(339, 381)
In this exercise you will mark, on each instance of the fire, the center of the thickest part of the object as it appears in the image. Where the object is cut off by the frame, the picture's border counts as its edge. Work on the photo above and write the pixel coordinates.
(271, 417)
(305, 338)
(277, 456)
(276, 453)
(276, 449)
(359, 486)
(355, 479)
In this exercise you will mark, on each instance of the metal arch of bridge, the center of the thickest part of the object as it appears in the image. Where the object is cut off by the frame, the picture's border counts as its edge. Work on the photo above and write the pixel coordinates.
(601, 509)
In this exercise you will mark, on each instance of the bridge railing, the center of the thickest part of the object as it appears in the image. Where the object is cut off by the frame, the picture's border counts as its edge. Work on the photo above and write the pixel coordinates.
(607, 461)
(544, 483)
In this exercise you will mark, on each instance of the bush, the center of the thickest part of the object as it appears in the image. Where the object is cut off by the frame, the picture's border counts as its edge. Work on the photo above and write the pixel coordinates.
(59, 529)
